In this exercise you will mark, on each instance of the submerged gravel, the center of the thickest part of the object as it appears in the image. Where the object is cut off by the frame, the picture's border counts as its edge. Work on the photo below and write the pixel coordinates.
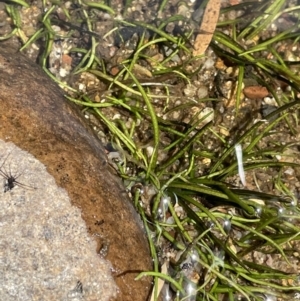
(209, 94)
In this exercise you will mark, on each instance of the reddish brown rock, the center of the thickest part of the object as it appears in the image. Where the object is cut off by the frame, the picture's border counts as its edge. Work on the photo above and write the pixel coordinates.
(36, 117)
(256, 92)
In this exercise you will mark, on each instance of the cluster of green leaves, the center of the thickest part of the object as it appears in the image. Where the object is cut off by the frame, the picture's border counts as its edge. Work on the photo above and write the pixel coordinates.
(258, 221)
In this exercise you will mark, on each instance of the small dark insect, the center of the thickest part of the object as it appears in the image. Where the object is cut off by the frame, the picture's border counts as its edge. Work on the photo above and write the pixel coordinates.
(9, 183)
(76, 292)
(99, 222)
(79, 287)
(10, 179)
(186, 266)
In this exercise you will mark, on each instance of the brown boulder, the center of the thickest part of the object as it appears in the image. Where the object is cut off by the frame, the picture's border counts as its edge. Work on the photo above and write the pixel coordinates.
(36, 117)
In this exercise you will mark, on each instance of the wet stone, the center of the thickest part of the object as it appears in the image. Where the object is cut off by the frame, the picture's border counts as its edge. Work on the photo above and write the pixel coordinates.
(41, 234)
(37, 119)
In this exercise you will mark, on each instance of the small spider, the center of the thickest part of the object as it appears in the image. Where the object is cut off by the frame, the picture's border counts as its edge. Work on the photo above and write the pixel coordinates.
(10, 182)
(79, 287)
(76, 292)
(10, 179)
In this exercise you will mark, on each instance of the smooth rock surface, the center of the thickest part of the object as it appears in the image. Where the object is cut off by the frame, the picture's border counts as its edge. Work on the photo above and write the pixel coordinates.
(36, 117)
(46, 252)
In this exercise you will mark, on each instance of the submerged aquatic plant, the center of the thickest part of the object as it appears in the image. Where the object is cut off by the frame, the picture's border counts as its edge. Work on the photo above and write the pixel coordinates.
(209, 232)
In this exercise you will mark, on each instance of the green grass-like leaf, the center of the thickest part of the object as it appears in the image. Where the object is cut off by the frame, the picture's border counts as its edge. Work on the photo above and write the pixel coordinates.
(200, 196)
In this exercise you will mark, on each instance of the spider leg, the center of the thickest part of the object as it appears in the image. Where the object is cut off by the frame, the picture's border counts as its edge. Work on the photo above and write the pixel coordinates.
(5, 160)
(17, 183)
(3, 172)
